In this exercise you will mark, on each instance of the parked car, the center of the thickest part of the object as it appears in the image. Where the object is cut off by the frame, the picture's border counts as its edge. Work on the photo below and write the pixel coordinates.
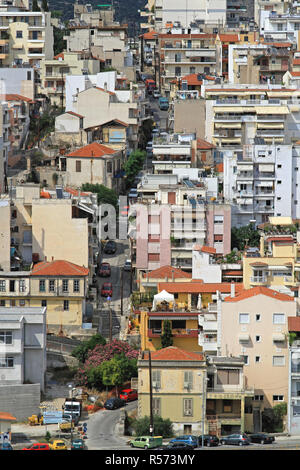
(149, 147)
(106, 289)
(38, 446)
(104, 270)
(188, 439)
(261, 438)
(124, 210)
(128, 394)
(127, 265)
(155, 132)
(6, 446)
(110, 247)
(78, 444)
(209, 440)
(58, 444)
(156, 93)
(133, 194)
(177, 446)
(146, 442)
(114, 403)
(235, 439)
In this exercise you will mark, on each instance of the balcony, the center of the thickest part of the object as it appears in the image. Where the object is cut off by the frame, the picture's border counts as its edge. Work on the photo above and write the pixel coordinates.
(207, 343)
(258, 280)
(177, 333)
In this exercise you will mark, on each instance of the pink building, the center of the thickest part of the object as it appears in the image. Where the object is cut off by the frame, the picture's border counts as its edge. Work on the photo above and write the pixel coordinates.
(218, 232)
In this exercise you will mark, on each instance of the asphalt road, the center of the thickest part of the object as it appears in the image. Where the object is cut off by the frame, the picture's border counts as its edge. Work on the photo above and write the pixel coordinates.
(101, 430)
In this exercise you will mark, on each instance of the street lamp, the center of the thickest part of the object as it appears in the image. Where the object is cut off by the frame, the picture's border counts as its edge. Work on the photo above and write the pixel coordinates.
(204, 384)
(71, 388)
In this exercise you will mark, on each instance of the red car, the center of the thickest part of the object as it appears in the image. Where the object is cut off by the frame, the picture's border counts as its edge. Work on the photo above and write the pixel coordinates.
(38, 446)
(104, 270)
(106, 290)
(124, 210)
(129, 394)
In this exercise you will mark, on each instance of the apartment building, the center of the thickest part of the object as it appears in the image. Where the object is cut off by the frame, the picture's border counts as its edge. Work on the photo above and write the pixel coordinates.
(238, 115)
(178, 377)
(245, 319)
(53, 73)
(18, 81)
(5, 232)
(240, 14)
(294, 389)
(282, 26)
(172, 151)
(26, 37)
(183, 54)
(148, 16)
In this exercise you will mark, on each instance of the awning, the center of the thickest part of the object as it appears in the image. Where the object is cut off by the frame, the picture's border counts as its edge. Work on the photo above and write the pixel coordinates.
(266, 167)
(279, 268)
(229, 125)
(274, 125)
(18, 45)
(232, 109)
(278, 337)
(246, 167)
(244, 337)
(162, 296)
(264, 184)
(272, 110)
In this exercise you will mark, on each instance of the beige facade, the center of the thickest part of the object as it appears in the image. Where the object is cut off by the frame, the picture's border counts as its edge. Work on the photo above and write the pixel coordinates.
(189, 116)
(256, 327)
(5, 233)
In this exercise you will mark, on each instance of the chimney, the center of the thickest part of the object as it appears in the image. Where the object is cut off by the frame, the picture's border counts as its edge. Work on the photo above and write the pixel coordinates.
(172, 275)
(232, 289)
(52, 257)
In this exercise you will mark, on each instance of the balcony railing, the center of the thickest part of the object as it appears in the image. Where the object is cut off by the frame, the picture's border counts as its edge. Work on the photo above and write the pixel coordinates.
(258, 279)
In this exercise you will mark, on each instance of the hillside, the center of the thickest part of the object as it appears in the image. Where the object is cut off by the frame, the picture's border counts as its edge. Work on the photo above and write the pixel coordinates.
(125, 10)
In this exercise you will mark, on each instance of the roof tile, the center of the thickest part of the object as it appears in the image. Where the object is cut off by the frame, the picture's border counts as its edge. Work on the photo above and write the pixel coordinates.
(173, 353)
(260, 290)
(58, 268)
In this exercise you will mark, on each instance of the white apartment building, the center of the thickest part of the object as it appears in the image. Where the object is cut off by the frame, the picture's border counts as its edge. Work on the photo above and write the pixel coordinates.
(262, 181)
(280, 26)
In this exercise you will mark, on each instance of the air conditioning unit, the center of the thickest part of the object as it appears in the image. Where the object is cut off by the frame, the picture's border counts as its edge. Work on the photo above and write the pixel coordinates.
(186, 385)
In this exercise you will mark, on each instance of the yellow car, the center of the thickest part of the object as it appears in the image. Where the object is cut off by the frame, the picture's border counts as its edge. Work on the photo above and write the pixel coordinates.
(58, 445)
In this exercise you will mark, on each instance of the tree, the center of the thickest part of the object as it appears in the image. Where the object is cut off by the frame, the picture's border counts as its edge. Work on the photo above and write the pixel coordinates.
(81, 351)
(241, 234)
(272, 418)
(58, 40)
(133, 165)
(35, 6)
(162, 427)
(118, 370)
(166, 337)
(45, 5)
(104, 194)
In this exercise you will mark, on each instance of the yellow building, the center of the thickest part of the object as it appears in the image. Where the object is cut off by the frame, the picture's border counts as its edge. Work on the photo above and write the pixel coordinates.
(181, 380)
(59, 285)
(277, 265)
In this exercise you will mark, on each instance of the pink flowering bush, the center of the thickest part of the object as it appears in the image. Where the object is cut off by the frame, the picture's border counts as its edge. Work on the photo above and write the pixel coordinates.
(90, 373)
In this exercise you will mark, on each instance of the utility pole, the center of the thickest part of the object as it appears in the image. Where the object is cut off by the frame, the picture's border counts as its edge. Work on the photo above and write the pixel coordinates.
(151, 404)
(110, 320)
(122, 276)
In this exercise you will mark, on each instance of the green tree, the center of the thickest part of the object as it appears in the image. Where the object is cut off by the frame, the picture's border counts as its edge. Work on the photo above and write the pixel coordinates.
(82, 350)
(58, 40)
(45, 5)
(104, 194)
(162, 427)
(35, 6)
(272, 418)
(133, 165)
(241, 234)
(166, 337)
(118, 370)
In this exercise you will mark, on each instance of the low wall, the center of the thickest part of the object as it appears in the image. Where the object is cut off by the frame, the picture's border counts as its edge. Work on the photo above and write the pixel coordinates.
(20, 400)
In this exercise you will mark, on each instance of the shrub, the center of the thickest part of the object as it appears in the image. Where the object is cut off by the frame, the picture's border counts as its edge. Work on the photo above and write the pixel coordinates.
(162, 427)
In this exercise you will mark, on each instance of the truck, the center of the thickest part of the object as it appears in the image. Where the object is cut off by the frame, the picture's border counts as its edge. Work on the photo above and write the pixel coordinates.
(72, 408)
(150, 85)
(163, 103)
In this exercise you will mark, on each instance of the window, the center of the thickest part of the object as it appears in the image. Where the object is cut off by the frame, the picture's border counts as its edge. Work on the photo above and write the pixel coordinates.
(22, 303)
(227, 406)
(228, 377)
(156, 379)
(246, 360)
(42, 285)
(78, 166)
(178, 71)
(19, 34)
(258, 398)
(187, 407)
(65, 285)
(178, 324)
(28, 75)
(22, 286)
(244, 317)
(257, 359)
(6, 362)
(2, 303)
(278, 397)
(257, 339)
(188, 380)
(44, 303)
(219, 219)
(5, 337)
(2, 286)
(109, 167)
(278, 318)
(51, 285)
(156, 406)
(66, 305)
(278, 361)
(11, 286)
(76, 285)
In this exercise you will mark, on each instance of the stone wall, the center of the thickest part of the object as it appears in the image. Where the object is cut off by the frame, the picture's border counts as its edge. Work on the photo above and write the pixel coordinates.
(20, 400)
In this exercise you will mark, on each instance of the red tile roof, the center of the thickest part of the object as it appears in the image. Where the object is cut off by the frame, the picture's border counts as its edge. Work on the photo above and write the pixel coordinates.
(281, 239)
(192, 79)
(16, 97)
(58, 268)
(45, 195)
(199, 287)
(74, 114)
(204, 145)
(151, 35)
(173, 353)
(205, 249)
(232, 273)
(229, 37)
(59, 56)
(220, 167)
(4, 416)
(167, 271)
(106, 91)
(75, 192)
(294, 323)
(92, 150)
(189, 36)
(260, 290)
(295, 74)
(296, 62)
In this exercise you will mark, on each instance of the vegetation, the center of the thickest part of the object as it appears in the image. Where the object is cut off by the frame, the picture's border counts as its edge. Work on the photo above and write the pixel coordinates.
(104, 194)
(58, 39)
(162, 427)
(42, 126)
(273, 418)
(241, 234)
(81, 352)
(166, 337)
(119, 369)
(35, 6)
(133, 165)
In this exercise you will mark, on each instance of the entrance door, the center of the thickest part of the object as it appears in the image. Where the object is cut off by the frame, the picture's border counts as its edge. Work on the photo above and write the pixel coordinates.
(256, 420)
